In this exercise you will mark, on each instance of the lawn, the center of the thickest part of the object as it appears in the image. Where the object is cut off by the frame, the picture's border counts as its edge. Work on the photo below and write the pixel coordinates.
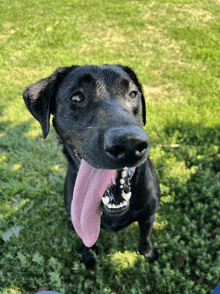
(173, 46)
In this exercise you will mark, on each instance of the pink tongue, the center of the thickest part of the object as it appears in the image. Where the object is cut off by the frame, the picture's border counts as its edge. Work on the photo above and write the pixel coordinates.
(88, 191)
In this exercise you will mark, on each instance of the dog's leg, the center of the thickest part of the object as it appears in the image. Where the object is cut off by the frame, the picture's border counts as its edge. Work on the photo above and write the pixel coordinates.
(88, 257)
(146, 248)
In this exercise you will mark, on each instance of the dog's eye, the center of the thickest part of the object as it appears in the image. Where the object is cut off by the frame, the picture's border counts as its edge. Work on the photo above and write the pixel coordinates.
(133, 94)
(77, 97)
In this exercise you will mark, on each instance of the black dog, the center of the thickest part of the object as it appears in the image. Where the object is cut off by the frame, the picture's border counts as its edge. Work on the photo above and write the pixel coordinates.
(99, 112)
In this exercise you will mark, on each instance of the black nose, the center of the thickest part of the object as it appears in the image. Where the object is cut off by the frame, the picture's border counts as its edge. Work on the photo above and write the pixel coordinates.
(126, 144)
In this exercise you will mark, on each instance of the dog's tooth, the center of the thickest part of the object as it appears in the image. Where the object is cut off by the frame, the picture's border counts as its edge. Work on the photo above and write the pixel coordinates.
(105, 200)
(109, 205)
(124, 203)
(113, 205)
(122, 181)
(123, 174)
(121, 187)
(126, 196)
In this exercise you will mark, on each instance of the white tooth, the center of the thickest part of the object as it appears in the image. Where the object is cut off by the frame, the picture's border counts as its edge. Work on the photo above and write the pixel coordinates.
(121, 204)
(125, 203)
(123, 174)
(121, 187)
(126, 196)
(109, 205)
(105, 200)
(122, 181)
(113, 205)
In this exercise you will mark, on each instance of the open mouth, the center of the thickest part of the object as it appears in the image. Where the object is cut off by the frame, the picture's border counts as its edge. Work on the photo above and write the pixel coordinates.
(115, 200)
(96, 192)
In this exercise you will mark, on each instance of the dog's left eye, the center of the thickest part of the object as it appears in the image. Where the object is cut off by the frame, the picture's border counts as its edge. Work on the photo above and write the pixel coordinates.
(133, 94)
(77, 97)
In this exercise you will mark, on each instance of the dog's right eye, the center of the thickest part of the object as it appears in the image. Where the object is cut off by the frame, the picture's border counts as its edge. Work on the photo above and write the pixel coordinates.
(133, 94)
(77, 97)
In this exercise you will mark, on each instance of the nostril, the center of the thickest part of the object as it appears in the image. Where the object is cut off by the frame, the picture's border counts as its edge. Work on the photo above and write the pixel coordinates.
(117, 151)
(140, 149)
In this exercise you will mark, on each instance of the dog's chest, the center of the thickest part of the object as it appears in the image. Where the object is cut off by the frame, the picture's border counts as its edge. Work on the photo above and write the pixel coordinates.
(115, 224)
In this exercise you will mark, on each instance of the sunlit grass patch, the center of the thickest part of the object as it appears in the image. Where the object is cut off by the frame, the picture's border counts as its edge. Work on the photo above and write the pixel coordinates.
(123, 260)
(16, 167)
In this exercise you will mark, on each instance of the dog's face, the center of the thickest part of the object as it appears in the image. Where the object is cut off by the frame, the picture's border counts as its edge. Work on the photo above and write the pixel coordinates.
(97, 111)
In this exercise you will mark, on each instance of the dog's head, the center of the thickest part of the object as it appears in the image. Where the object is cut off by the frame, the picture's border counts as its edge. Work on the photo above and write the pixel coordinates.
(98, 111)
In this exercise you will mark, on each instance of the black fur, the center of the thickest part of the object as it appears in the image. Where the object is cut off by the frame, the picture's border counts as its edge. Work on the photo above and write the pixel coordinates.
(105, 128)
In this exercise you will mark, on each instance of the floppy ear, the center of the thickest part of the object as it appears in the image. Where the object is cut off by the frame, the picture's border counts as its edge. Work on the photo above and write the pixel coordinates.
(134, 78)
(39, 97)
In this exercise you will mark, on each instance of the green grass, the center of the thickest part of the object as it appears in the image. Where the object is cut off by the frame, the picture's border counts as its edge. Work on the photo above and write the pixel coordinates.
(174, 48)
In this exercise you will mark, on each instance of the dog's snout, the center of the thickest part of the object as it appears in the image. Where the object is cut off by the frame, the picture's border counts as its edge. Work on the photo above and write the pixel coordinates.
(141, 149)
(127, 144)
(116, 151)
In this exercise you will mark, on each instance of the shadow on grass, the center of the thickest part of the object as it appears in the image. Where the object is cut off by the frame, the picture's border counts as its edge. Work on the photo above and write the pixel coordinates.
(188, 166)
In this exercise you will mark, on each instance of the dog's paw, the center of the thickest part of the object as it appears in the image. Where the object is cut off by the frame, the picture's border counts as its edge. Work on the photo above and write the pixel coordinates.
(151, 254)
(87, 256)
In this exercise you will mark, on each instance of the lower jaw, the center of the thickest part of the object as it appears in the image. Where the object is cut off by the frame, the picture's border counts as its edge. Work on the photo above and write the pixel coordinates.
(114, 211)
